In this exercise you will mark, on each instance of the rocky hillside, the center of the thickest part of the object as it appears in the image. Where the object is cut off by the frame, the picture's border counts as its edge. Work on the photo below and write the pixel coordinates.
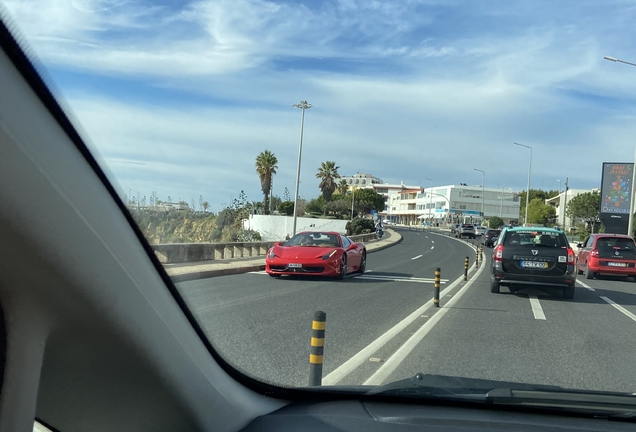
(176, 226)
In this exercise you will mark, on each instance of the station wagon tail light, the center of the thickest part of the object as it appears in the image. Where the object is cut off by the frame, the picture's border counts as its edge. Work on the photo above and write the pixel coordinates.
(594, 252)
(570, 256)
(499, 253)
(330, 254)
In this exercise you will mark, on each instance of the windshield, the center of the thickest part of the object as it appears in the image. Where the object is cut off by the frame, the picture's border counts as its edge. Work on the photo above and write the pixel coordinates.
(236, 132)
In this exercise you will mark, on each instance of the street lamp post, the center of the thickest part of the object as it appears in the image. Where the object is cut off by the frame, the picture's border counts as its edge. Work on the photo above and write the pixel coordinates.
(483, 182)
(430, 200)
(525, 219)
(501, 205)
(631, 200)
(303, 105)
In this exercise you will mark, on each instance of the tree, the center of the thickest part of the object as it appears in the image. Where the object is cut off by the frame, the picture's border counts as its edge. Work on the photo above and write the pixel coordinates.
(539, 212)
(341, 209)
(205, 206)
(266, 168)
(343, 187)
(534, 194)
(495, 222)
(286, 208)
(286, 194)
(328, 174)
(585, 207)
(316, 206)
(366, 200)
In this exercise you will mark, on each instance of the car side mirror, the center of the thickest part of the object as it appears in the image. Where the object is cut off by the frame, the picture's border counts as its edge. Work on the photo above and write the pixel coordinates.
(277, 244)
(351, 247)
(579, 245)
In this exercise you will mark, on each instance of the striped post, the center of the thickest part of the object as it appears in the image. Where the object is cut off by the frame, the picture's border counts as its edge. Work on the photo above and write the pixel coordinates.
(317, 348)
(438, 273)
(466, 269)
(476, 257)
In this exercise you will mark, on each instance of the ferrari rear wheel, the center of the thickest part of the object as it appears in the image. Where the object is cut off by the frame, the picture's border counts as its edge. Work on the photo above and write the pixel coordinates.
(363, 263)
(343, 267)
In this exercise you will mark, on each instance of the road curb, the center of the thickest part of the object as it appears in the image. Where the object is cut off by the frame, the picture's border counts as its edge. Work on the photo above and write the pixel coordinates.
(388, 245)
(215, 273)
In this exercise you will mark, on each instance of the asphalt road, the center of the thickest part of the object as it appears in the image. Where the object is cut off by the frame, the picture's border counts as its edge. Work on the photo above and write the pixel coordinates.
(262, 325)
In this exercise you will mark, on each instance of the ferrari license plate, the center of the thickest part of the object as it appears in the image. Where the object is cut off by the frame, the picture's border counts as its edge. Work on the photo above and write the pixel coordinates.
(615, 264)
(534, 264)
(295, 265)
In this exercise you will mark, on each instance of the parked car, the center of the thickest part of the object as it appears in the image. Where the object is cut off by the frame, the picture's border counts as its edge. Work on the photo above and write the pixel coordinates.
(526, 257)
(607, 254)
(466, 230)
(317, 254)
(490, 237)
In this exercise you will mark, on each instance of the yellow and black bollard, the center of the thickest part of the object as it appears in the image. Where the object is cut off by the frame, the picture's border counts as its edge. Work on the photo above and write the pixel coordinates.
(438, 273)
(476, 257)
(317, 348)
(466, 269)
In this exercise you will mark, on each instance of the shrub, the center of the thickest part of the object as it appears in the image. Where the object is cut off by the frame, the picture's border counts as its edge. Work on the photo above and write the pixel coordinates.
(360, 226)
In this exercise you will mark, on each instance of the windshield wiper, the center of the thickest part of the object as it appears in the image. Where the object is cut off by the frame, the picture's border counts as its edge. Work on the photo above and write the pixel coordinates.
(601, 404)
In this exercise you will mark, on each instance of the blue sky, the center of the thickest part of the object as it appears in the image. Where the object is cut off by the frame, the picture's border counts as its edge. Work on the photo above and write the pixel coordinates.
(180, 97)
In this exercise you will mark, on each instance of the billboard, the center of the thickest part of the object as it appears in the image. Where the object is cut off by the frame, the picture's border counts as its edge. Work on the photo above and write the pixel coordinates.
(616, 187)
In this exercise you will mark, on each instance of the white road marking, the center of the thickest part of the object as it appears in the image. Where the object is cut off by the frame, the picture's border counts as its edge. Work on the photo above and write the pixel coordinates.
(258, 272)
(419, 256)
(536, 307)
(426, 236)
(585, 286)
(400, 279)
(432, 241)
(361, 357)
(396, 359)
(432, 247)
(619, 308)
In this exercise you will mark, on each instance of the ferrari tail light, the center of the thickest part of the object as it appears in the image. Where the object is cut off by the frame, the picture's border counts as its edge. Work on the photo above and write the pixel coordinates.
(499, 253)
(329, 255)
(570, 256)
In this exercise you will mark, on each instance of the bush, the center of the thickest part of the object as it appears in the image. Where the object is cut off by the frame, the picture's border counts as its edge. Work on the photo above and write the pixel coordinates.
(360, 226)
(495, 222)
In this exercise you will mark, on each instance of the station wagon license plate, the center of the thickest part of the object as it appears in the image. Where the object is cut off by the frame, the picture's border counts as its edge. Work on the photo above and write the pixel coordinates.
(615, 264)
(534, 264)
(295, 265)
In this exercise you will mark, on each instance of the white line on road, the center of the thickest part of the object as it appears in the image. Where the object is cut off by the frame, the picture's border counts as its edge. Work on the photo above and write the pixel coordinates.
(419, 256)
(536, 307)
(619, 307)
(432, 247)
(432, 241)
(426, 236)
(350, 365)
(400, 279)
(398, 357)
(585, 286)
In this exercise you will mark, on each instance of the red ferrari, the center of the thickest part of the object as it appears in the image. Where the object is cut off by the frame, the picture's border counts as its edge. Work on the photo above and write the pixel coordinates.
(316, 253)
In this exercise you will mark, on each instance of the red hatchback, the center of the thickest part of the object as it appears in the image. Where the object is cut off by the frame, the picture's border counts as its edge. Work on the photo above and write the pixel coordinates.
(609, 254)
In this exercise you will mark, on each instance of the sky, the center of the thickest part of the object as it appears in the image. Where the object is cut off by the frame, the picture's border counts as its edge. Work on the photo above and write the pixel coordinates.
(180, 97)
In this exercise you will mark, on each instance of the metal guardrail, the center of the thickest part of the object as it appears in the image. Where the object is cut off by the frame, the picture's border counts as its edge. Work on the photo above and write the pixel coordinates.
(171, 253)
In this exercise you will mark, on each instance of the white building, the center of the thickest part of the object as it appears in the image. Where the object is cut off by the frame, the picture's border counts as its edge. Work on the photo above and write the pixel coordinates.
(559, 203)
(446, 204)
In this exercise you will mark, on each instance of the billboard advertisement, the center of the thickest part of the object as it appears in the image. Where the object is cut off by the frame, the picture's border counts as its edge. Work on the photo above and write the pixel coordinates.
(616, 188)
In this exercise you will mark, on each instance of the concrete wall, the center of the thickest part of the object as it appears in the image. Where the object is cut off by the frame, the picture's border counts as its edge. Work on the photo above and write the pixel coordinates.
(191, 252)
(275, 228)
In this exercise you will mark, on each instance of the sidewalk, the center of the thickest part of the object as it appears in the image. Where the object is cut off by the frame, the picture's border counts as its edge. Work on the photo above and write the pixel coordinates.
(205, 269)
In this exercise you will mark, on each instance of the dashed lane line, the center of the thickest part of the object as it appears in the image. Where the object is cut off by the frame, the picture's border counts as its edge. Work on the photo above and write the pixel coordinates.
(536, 307)
(585, 286)
(619, 308)
(419, 256)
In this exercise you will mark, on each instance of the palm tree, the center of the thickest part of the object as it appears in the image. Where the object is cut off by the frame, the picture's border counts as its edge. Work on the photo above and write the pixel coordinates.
(343, 187)
(266, 168)
(328, 174)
